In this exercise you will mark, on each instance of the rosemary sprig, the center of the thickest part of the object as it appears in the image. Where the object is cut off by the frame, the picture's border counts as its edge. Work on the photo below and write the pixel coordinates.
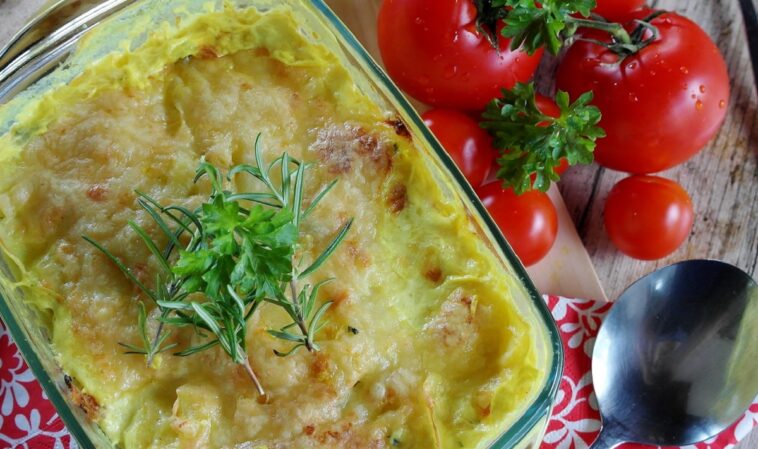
(223, 261)
(148, 348)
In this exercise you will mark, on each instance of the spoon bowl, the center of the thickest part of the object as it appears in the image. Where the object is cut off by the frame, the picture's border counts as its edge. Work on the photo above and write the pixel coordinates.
(676, 359)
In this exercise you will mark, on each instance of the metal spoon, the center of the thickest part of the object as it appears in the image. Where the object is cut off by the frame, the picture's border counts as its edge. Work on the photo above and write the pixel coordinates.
(676, 360)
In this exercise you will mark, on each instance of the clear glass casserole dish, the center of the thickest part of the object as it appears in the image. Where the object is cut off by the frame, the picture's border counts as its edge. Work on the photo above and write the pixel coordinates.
(36, 61)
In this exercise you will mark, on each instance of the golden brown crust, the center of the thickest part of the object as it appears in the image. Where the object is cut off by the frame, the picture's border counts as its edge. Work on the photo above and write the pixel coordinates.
(400, 129)
(338, 147)
(397, 198)
(207, 52)
(86, 402)
(434, 274)
(97, 193)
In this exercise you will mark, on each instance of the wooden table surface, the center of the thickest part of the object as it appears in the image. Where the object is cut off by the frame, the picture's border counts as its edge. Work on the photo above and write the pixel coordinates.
(722, 180)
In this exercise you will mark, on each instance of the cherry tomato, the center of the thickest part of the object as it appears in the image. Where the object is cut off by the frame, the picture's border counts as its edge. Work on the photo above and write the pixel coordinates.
(661, 105)
(613, 9)
(469, 145)
(529, 221)
(433, 50)
(648, 217)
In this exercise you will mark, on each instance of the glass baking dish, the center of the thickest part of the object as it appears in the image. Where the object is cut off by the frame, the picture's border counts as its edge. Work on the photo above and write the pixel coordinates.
(43, 54)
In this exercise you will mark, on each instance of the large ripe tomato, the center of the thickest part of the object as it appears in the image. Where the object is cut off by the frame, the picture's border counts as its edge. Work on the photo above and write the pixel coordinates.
(528, 221)
(661, 105)
(433, 50)
(648, 217)
(613, 9)
(468, 144)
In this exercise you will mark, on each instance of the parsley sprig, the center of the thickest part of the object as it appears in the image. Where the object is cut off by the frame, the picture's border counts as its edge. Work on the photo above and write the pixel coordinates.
(547, 25)
(532, 143)
(226, 258)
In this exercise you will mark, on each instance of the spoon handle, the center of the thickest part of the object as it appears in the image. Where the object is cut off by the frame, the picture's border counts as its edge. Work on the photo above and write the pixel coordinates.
(606, 439)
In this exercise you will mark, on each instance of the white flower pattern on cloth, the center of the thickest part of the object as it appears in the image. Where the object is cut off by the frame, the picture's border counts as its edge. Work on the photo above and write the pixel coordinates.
(572, 433)
(29, 420)
(13, 375)
(579, 321)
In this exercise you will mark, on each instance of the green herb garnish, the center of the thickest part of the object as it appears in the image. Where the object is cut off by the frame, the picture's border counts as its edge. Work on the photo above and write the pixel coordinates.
(227, 257)
(552, 24)
(532, 143)
(548, 25)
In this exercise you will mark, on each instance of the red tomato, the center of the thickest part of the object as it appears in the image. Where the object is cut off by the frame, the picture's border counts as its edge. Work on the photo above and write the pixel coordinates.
(469, 145)
(433, 50)
(661, 105)
(613, 9)
(529, 221)
(648, 217)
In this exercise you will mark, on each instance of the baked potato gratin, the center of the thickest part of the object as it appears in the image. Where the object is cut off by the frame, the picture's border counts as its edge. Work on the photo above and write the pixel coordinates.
(419, 342)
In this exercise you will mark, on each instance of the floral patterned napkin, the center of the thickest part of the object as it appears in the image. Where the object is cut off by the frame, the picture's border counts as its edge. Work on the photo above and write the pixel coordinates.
(29, 421)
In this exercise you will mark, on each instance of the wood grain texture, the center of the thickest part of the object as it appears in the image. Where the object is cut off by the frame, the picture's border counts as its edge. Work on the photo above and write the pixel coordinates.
(722, 179)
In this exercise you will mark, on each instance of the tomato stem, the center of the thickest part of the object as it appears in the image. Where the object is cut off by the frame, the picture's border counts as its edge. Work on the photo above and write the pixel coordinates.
(614, 29)
(624, 43)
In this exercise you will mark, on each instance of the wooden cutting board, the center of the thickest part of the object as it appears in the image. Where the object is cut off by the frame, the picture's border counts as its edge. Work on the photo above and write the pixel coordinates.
(566, 271)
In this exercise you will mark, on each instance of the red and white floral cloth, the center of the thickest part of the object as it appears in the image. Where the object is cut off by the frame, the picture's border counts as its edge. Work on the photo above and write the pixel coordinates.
(28, 420)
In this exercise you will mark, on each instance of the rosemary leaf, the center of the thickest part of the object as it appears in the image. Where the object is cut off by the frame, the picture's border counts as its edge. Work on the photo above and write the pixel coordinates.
(328, 251)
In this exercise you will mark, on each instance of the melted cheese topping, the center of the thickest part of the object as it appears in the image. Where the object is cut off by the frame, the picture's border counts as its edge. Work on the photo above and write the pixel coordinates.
(442, 357)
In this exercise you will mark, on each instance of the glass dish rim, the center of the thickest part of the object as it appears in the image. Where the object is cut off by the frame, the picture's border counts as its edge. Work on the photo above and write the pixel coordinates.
(517, 430)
